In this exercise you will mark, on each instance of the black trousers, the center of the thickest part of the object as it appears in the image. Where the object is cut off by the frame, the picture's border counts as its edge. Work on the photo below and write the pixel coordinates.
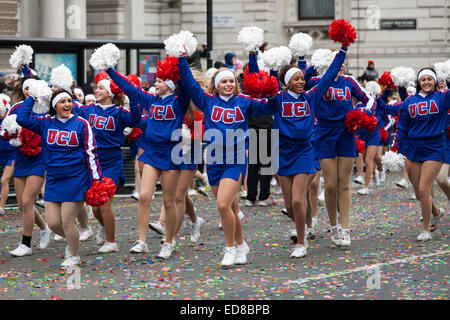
(254, 170)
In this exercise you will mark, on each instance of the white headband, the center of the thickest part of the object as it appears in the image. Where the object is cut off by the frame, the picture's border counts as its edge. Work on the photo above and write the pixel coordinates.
(59, 97)
(79, 91)
(27, 83)
(290, 74)
(427, 72)
(107, 85)
(221, 75)
(170, 84)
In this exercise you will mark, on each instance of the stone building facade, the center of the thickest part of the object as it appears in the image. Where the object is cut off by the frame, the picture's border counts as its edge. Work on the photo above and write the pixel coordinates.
(413, 33)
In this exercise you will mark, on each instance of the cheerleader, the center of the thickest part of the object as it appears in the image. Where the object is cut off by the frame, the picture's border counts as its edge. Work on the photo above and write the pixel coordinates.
(108, 119)
(7, 156)
(79, 94)
(72, 165)
(29, 172)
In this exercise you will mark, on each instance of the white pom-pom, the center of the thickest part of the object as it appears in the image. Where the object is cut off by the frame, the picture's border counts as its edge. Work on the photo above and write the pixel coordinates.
(4, 103)
(373, 88)
(277, 58)
(252, 37)
(42, 93)
(393, 162)
(210, 73)
(403, 76)
(322, 59)
(443, 70)
(300, 44)
(152, 90)
(182, 43)
(15, 142)
(262, 66)
(411, 90)
(105, 57)
(127, 131)
(22, 56)
(10, 124)
(61, 78)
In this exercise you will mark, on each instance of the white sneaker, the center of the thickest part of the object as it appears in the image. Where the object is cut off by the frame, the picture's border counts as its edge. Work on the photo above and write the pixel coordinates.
(244, 194)
(402, 184)
(86, 234)
(90, 213)
(21, 251)
(2, 211)
(249, 203)
(220, 224)
(241, 215)
(229, 257)
(293, 235)
(157, 227)
(359, 180)
(100, 237)
(383, 176)
(267, 203)
(436, 220)
(241, 254)
(58, 238)
(139, 247)
(284, 211)
(71, 261)
(195, 229)
(413, 196)
(186, 221)
(273, 182)
(108, 247)
(310, 233)
(66, 253)
(336, 235)
(376, 178)
(166, 250)
(192, 192)
(40, 203)
(424, 236)
(363, 191)
(299, 251)
(278, 190)
(345, 238)
(44, 238)
(322, 196)
(135, 195)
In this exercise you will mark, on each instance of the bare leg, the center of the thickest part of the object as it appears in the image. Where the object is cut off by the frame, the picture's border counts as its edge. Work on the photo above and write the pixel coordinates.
(7, 176)
(69, 212)
(345, 167)
(169, 181)
(184, 181)
(330, 177)
(150, 176)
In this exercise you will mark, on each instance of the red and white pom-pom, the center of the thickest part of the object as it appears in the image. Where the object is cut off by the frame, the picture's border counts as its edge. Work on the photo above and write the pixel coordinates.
(135, 80)
(105, 57)
(369, 122)
(443, 70)
(21, 57)
(384, 135)
(342, 31)
(4, 103)
(31, 143)
(168, 69)
(373, 89)
(100, 192)
(353, 120)
(100, 76)
(402, 76)
(40, 90)
(15, 142)
(322, 59)
(135, 134)
(360, 145)
(386, 80)
(393, 162)
(300, 44)
(61, 78)
(180, 44)
(269, 85)
(251, 37)
(251, 84)
(10, 124)
(277, 58)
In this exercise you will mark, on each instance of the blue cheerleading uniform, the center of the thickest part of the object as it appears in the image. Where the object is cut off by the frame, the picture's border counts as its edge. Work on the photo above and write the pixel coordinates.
(108, 123)
(294, 118)
(24, 165)
(71, 151)
(333, 138)
(226, 127)
(7, 151)
(425, 121)
(165, 116)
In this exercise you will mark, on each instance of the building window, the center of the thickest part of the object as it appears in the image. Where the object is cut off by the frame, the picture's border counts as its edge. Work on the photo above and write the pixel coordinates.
(315, 9)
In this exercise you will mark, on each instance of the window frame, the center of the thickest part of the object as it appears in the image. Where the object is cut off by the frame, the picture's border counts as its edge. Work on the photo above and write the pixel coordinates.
(300, 18)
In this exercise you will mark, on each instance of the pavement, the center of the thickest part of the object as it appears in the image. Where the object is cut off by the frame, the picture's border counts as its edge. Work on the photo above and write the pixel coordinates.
(384, 261)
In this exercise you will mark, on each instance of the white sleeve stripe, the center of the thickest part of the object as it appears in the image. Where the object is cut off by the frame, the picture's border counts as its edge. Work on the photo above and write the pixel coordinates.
(89, 148)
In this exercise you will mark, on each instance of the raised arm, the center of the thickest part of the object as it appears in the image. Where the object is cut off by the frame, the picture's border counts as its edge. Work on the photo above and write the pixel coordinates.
(252, 63)
(403, 93)
(196, 92)
(393, 110)
(26, 119)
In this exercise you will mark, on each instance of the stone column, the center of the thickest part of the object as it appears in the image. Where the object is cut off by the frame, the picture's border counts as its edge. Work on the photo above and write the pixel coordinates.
(53, 19)
(76, 19)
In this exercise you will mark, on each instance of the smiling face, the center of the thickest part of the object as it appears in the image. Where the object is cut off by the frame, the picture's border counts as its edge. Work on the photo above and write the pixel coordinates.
(226, 86)
(102, 95)
(297, 83)
(161, 87)
(427, 84)
(63, 108)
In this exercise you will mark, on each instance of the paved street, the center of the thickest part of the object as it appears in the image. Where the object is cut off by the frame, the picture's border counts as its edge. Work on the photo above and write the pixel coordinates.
(384, 227)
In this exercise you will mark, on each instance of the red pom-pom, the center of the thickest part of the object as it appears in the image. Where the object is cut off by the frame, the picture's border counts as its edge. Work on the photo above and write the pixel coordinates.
(135, 80)
(384, 135)
(7, 136)
(252, 84)
(394, 149)
(342, 31)
(31, 143)
(115, 88)
(135, 134)
(269, 85)
(360, 145)
(100, 76)
(260, 84)
(353, 120)
(369, 123)
(100, 192)
(386, 80)
(448, 132)
(168, 69)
